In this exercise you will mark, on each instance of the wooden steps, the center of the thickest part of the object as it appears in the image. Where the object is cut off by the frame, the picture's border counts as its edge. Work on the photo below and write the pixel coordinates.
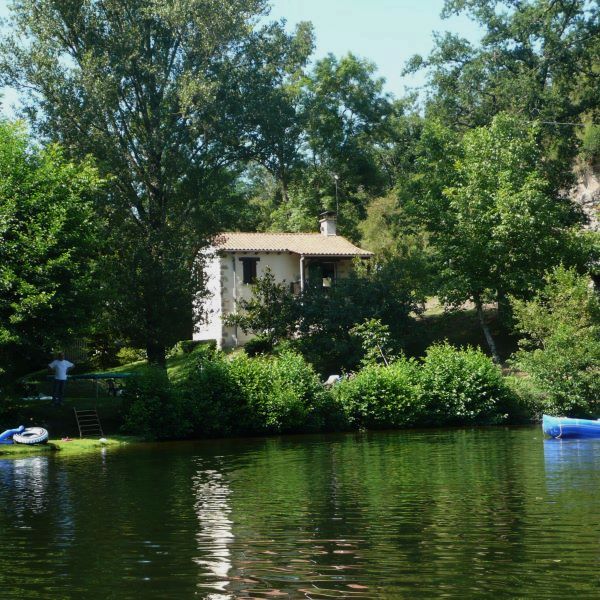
(88, 423)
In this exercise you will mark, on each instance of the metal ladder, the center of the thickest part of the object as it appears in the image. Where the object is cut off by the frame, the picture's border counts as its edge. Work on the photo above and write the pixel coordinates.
(88, 423)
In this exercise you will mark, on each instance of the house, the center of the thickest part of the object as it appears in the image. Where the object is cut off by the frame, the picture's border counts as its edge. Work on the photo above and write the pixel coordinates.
(237, 259)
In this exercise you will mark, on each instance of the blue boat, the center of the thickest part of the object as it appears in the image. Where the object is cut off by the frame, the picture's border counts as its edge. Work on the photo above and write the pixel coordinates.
(565, 428)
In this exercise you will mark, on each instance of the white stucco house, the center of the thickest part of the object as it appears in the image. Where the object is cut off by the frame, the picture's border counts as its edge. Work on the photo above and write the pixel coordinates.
(237, 259)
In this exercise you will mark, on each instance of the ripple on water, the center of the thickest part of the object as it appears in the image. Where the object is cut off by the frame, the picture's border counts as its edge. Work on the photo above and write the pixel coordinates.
(391, 515)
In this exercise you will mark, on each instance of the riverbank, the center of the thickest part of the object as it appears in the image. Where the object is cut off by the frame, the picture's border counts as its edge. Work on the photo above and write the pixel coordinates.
(207, 394)
(64, 447)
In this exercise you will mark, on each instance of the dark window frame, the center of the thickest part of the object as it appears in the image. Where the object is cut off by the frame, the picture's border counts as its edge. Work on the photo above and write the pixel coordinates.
(249, 266)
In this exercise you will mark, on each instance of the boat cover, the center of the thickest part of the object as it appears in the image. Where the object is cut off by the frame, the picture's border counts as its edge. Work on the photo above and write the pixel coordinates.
(564, 427)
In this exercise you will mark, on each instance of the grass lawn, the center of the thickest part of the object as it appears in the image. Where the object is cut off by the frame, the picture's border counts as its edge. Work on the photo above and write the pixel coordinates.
(460, 328)
(80, 394)
(65, 448)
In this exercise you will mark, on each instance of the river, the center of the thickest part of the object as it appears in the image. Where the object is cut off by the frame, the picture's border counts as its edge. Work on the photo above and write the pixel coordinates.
(419, 514)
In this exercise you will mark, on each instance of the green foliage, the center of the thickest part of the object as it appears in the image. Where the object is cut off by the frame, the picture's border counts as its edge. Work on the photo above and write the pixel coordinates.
(590, 144)
(215, 395)
(560, 352)
(317, 322)
(274, 394)
(189, 346)
(152, 408)
(504, 226)
(375, 341)
(48, 243)
(382, 396)
(536, 59)
(497, 225)
(128, 355)
(333, 119)
(282, 394)
(213, 399)
(258, 345)
(462, 386)
(271, 312)
(143, 88)
(379, 289)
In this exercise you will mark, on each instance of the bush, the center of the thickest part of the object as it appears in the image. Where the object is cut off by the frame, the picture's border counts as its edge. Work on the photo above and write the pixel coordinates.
(213, 399)
(188, 346)
(151, 407)
(282, 393)
(382, 396)
(258, 345)
(529, 401)
(561, 351)
(462, 386)
(128, 355)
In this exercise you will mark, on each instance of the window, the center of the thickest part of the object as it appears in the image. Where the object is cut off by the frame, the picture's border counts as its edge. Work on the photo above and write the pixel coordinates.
(321, 273)
(249, 266)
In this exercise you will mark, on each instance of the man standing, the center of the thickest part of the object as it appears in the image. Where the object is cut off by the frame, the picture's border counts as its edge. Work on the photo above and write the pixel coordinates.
(60, 366)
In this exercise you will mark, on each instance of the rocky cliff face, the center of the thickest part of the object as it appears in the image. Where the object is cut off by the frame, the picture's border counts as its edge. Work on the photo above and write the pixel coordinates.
(587, 194)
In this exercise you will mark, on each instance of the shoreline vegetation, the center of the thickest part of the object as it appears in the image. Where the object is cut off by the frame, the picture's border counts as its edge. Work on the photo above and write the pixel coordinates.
(206, 393)
(210, 394)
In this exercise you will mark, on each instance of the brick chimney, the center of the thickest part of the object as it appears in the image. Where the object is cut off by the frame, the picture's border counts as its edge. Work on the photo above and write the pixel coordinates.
(328, 223)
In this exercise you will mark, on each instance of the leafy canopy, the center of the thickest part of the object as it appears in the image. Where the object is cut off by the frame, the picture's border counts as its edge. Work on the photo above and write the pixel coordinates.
(560, 350)
(48, 245)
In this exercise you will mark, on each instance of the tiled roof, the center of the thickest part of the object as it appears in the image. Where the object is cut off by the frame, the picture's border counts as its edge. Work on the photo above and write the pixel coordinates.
(307, 244)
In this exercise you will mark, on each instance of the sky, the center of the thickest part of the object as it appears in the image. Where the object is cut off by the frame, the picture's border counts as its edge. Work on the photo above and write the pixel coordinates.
(386, 32)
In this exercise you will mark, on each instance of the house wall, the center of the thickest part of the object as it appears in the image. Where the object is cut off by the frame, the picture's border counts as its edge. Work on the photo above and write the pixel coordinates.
(208, 308)
(225, 285)
(284, 266)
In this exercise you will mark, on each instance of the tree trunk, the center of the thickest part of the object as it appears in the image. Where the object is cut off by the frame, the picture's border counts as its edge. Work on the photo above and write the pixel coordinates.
(157, 354)
(154, 274)
(504, 309)
(284, 191)
(486, 331)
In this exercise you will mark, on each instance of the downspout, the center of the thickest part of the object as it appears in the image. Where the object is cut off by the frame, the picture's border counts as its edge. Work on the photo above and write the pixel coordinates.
(235, 328)
(301, 273)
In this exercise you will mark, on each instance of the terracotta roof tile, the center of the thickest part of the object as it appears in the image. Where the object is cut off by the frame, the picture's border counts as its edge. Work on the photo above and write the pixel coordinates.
(307, 244)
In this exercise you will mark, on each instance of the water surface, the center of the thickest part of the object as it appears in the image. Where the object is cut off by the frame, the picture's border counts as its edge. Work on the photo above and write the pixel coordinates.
(462, 513)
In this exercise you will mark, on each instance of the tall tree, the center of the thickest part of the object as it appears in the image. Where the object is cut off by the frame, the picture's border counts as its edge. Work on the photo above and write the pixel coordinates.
(48, 246)
(560, 350)
(503, 226)
(149, 88)
(273, 101)
(342, 121)
(536, 58)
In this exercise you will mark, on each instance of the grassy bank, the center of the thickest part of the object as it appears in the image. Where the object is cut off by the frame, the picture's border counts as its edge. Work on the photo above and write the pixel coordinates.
(74, 446)
(460, 328)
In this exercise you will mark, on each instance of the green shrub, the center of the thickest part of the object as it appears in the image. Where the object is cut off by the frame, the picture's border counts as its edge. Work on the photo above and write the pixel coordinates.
(560, 352)
(529, 401)
(188, 346)
(382, 396)
(462, 386)
(258, 345)
(128, 355)
(282, 393)
(152, 408)
(213, 399)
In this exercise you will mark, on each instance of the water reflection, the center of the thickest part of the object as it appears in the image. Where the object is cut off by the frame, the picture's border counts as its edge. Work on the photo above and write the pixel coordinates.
(571, 464)
(477, 513)
(215, 534)
(26, 480)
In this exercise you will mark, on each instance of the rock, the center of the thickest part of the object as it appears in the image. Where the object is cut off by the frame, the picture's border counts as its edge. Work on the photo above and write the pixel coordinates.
(587, 195)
